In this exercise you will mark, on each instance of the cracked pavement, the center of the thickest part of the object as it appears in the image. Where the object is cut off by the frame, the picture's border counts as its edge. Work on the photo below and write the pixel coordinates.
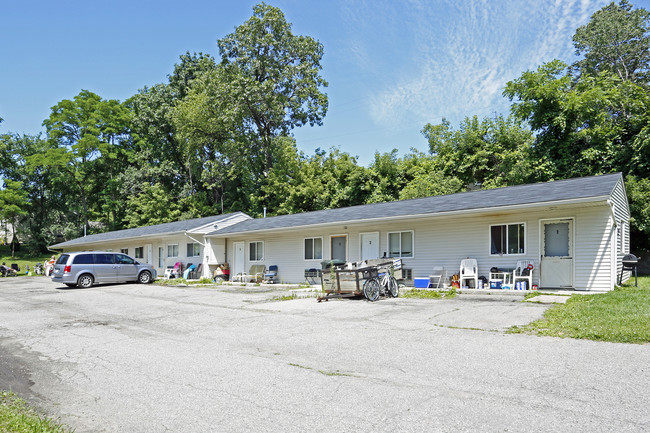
(133, 358)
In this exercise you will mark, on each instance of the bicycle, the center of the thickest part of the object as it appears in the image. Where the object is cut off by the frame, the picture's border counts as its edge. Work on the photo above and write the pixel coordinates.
(382, 284)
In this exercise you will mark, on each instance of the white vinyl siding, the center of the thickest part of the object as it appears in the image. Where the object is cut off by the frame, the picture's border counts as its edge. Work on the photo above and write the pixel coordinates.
(445, 241)
(622, 215)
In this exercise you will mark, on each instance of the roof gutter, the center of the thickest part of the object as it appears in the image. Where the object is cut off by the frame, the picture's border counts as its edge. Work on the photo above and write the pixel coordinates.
(129, 238)
(604, 198)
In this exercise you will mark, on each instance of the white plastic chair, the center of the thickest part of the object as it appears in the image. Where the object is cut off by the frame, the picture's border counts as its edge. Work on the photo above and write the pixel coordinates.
(469, 271)
(438, 276)
(517, 274)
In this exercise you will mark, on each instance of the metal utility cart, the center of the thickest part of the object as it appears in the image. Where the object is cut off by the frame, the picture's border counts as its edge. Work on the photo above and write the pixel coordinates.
(339, 281)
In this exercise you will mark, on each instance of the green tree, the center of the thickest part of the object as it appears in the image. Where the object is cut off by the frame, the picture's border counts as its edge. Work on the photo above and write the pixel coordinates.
(491, 152)
(81, 132)
(151, 206)
(170, 158)
(210, 126)
(424, 178)
(275, 77)
(638, 192)
(617, 40)
(46, 195)
(13, 204)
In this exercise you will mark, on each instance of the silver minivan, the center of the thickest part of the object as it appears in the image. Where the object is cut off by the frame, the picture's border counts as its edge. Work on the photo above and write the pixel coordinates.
(89, 267)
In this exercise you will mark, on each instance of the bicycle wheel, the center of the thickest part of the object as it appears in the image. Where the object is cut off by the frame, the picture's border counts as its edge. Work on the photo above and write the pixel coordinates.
(393, 288)
(371, 289)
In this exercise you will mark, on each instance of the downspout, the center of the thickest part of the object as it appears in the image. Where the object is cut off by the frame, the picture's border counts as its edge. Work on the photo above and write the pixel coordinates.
(611, 210)
(200, 243)
(611, 205)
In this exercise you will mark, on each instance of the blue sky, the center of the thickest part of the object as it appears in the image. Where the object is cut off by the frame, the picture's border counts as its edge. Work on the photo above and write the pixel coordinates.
(392, 66)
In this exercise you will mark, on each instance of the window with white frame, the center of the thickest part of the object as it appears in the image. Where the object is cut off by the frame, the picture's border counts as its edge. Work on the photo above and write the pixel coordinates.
(313, 248)
(508, 239)
(193, 249)
(124, 250)
(172, 250)
(400, 244)
(256, 251)
(139, 253)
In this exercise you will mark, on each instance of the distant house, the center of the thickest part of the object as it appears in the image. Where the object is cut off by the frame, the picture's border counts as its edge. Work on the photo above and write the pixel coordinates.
(575, 231)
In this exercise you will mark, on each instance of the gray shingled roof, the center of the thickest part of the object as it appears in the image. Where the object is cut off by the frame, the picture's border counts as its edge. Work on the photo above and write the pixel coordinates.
(570, 189)
(158, 229)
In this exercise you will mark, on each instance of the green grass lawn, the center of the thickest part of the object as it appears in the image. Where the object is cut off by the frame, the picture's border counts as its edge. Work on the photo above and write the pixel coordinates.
(621, 316)
(17, 417)
(22, 258)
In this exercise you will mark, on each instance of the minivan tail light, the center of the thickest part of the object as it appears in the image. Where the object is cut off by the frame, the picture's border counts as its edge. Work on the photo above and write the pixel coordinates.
(67, 269)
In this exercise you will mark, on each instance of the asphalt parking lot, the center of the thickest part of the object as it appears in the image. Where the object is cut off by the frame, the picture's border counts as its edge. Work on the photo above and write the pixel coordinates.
(134, 358)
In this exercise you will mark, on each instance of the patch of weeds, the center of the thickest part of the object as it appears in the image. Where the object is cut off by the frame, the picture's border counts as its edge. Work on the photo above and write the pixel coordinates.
(289, 297)
(429, 294)
(171, 282)
(621, 316)
(300, 366)
(421, 294)
(17, 417)
(203, 280)
(335, 373)
(531, 295)
(304, 285)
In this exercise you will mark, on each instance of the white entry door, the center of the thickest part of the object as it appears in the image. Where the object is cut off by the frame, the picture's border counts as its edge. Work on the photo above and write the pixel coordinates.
(150, 254)
(369, 245)
(239, 256)
(557, 254)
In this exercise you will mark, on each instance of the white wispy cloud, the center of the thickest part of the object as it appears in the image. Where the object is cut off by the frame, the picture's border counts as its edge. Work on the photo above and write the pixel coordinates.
(463, 53)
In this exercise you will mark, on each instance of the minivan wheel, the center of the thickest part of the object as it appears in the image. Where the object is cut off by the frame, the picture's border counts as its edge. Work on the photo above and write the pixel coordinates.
(85, 281)
(144, 277)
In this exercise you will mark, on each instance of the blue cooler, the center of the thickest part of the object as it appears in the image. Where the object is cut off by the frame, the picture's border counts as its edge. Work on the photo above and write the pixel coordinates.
(421, 283)
(495, 284)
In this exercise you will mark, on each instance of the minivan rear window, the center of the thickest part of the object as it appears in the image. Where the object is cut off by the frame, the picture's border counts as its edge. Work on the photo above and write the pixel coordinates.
(104, 259)
(83, 259)
(63, 259)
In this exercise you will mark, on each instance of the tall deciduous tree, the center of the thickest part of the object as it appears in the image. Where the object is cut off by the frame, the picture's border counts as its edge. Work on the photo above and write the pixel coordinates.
(13, 204)
(171, 161)
(491, 152)
(616, 39)
(275, 77)
(80, 132)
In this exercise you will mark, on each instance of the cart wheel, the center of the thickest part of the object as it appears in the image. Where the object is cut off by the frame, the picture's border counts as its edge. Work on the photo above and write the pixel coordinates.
(393, 288)
(371, 289)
